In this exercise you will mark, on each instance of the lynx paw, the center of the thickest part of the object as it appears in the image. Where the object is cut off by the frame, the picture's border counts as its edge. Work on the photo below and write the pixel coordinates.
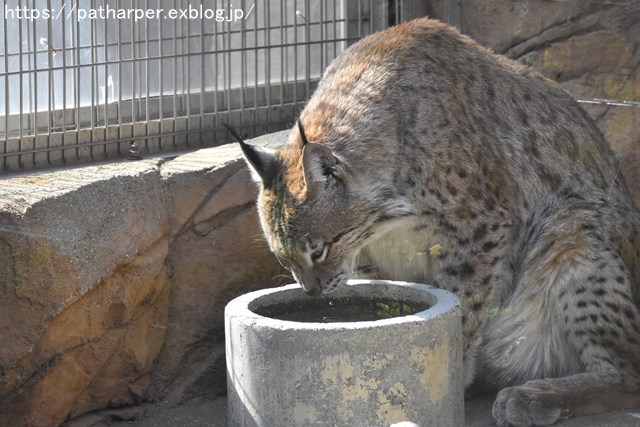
(531, 404)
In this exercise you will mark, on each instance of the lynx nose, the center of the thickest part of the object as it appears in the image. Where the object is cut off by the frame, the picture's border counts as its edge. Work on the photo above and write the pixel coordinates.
(313, 291)
(311, 284)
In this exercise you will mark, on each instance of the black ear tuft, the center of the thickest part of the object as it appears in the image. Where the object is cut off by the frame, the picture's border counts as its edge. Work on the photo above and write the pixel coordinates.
(302, 135)
(235, 134)
(261, 161)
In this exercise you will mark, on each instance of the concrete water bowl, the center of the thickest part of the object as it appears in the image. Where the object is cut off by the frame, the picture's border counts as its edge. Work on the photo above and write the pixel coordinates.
(345, 372)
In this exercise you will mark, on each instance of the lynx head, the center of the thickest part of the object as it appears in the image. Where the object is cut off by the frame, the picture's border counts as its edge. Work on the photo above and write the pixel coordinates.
(313, 218)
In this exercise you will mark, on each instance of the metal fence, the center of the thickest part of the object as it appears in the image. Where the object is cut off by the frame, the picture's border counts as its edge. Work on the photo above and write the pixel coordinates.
(82, 80)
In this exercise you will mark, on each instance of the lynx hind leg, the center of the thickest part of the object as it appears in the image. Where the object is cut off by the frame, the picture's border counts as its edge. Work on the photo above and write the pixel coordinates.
(602, 328)
(589, 314)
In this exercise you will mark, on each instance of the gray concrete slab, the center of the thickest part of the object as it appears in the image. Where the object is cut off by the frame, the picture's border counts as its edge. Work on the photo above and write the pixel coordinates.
(214, 414)
(478, 414)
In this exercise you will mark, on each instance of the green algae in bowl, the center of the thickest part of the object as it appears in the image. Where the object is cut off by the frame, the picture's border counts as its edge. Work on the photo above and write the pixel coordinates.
(349, 309)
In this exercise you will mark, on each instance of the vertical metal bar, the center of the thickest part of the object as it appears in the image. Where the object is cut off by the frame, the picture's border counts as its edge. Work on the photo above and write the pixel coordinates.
(186, 82)
(134, 62)
(359, 18)
(175, 78)
(140, 63)
(371, 17)
(119, 104)
(215, 80)
(64, 87)
(345, 25)
(284, 64)
(137, 59)
(243, 65)
(202, 79)
(35, 84)
(106, 78)
(295, 58)
(6, 94)
(21, 57)
(161, 79)
(228, 71)
(21, 68)
(78, 83)
(307, 37)
(267, 63)
(255, 76)
(30, 71)
(50, 97)
(335, 29)
(147, 73)
(95, 97)
(398, 17)
(323, 44)
(181, 57)
(452, 13)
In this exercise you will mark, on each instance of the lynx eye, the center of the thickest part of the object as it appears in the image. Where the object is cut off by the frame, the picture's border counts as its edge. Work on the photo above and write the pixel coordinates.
(319, 255)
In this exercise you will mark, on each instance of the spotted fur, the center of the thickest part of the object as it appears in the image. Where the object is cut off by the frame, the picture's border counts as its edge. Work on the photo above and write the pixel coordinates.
(434, 160)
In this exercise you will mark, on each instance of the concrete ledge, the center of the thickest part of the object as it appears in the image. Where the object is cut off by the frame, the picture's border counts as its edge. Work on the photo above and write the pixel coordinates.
(115, 277)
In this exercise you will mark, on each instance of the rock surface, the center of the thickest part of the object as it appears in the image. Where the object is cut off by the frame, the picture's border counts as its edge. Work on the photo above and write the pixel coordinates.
(590, 47)
(115, 277)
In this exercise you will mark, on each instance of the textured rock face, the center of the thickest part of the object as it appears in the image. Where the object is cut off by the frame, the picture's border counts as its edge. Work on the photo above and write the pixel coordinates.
(217, 241)
(590, 47)
(114, 280)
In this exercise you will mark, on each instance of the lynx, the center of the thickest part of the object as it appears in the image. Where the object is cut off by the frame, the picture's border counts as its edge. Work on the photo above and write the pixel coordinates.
(434, 160)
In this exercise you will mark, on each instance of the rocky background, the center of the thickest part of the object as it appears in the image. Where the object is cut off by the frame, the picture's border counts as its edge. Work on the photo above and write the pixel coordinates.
(114, 278)
(590, 47)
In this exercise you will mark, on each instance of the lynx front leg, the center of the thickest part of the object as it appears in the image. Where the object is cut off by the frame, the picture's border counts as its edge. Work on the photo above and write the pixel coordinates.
(544, 402)
(569, 333)
(470, 276)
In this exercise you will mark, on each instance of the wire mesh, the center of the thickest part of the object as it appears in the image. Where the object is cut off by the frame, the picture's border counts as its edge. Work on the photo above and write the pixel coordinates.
(82, 80)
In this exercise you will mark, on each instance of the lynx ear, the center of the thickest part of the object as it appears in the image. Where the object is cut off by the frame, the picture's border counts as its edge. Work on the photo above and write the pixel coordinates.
(261, 161)
(320, 165)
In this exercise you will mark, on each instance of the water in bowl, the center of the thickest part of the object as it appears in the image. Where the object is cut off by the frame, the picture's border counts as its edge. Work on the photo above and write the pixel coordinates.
(352, 309)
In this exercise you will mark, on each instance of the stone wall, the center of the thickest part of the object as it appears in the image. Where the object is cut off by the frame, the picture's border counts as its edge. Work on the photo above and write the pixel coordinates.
(114, 280)
(591, 47)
